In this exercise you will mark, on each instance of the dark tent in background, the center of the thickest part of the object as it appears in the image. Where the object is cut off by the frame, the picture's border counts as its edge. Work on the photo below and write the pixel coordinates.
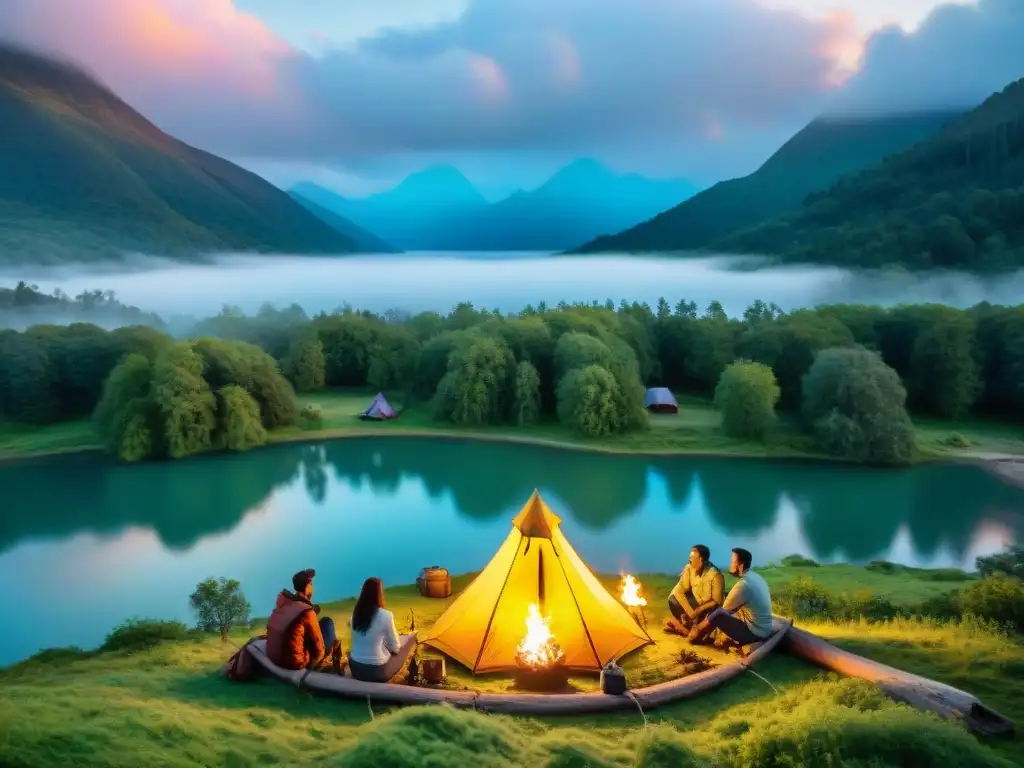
(379, 409)
(660, 400)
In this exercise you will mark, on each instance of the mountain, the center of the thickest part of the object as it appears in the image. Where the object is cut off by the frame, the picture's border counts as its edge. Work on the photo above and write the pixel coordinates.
(954, 200)
(84, 176)
(579, 202)
(810, 161)
(366, 242)
(427, 211)
(439, 209)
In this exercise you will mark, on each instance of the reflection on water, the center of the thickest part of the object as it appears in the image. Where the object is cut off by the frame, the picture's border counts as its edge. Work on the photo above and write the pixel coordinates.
(99, 543)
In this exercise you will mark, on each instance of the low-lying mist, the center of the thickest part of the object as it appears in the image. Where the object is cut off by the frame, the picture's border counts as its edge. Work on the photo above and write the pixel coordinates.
(508, 282)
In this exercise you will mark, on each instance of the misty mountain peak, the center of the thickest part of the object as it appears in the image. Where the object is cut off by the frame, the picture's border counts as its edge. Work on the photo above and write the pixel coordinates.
(441, 183)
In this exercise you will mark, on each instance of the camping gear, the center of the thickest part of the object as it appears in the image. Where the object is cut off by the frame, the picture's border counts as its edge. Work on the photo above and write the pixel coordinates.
(412, 676)
(240, 668)
(613, 679)
(434, 582)
(535, 566)
(433, 672)
(660, 400)
(512, 703)
(380, 409)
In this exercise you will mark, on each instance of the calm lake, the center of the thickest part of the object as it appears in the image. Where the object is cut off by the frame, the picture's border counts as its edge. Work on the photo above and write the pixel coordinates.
(506, 281)
(90, 543)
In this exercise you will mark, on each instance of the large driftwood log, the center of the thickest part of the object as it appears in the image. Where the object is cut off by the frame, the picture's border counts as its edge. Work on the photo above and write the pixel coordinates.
(522, 703)
(919, 692)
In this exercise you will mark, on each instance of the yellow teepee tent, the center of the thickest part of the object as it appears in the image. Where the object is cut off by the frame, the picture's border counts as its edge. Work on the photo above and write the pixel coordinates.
(482, 629)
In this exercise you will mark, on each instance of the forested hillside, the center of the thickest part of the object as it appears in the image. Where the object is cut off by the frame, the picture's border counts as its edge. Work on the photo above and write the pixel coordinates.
(810, 161)
(955, 200)
(84, 176)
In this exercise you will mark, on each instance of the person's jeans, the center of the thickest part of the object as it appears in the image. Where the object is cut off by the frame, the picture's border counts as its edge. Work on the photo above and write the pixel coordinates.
(330, 635)
(684, 611)
(731, 627)
(381, 673)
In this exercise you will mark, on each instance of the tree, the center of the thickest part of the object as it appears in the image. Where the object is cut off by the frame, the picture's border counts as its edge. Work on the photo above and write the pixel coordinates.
(526, 394)
(475, 389)
(856, 406)
(944, 371)
(746, 395)
(305, 364)
(220, 605)
(588, 401)
(578, 350)
(187, 407)
(125, 416)
(239, 419)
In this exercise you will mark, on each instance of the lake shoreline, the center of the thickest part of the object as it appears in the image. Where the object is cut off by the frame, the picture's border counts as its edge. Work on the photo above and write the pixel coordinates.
(1008, 467)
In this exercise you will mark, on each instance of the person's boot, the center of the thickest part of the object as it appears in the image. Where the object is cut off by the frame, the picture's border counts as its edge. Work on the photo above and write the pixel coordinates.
(337, 663)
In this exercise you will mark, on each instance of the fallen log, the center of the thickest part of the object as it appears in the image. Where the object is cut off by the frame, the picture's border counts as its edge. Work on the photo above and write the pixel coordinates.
(522, 703)
(918, 692)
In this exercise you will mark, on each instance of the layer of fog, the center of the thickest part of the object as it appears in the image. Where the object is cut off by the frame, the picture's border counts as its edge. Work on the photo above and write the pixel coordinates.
(507, 282)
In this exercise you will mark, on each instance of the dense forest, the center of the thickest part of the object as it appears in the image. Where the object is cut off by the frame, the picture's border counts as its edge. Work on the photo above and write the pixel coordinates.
(955, 200)
(812, 160)
(850, 371)
(86, 177)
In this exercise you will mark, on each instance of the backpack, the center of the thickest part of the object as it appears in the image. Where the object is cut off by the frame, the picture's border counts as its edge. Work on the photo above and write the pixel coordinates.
(241, 667)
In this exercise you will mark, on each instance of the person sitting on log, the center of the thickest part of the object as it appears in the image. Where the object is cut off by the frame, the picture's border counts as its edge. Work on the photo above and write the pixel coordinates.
(697, 593)
(377, 653)
(295, 639)
(746, 615)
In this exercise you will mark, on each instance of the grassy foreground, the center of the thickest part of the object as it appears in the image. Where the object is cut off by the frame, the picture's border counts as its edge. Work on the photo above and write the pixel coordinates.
(166, 705)
(696, 429)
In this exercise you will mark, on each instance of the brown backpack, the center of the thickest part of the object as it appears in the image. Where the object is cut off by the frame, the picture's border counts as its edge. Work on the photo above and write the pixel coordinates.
(241, 667)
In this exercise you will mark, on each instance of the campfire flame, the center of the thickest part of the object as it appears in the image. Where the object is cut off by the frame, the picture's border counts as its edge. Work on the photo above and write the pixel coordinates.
(538, 649)
(631, 592)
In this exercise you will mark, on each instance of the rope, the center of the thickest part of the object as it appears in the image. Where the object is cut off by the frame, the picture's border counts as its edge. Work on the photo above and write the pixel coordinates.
(769, 682)
(635, 701)
(369, 707)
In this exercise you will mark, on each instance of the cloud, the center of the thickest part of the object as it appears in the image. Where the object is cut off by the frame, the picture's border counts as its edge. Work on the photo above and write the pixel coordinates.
(959, 56)
(529, 74)
(669, 78)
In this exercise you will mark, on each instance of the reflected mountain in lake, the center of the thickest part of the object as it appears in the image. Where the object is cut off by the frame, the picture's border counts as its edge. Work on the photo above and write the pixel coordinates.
(114, 541)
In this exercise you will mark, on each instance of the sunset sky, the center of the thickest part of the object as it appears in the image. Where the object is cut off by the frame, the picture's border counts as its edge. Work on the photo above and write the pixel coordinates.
(357, 93)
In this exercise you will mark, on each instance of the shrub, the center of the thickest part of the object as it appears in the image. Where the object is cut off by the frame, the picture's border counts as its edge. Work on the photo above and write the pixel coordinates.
(799, 561)
(850, 723)
(220, 605)
(746, 395)
(998, 598)
(312, 412)
(802, 596)
(140, 634)
(955, 440)
(1010, 562)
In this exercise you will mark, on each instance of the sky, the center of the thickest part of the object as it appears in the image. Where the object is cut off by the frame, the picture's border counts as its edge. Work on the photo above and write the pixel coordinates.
(354, 94)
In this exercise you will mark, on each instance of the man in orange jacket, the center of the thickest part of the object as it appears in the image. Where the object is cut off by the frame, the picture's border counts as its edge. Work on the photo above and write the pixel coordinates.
(295, 639)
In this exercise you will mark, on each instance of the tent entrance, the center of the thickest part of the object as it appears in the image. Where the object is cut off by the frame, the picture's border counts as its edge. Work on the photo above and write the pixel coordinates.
(536, 593)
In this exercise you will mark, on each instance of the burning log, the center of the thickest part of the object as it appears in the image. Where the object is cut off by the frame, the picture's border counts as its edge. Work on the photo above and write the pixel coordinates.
(540, 660)
(632, 598)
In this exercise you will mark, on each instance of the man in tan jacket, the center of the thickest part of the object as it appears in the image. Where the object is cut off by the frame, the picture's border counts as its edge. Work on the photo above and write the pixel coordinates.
(697, 593)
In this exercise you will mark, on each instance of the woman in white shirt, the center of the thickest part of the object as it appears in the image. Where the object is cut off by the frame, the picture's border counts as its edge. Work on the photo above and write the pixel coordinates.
(377, 652)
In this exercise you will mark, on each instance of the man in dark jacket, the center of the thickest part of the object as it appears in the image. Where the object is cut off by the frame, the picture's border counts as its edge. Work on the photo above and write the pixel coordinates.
(295, 639)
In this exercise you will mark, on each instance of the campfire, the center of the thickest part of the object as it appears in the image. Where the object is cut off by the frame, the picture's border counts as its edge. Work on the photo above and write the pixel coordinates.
(538, 651)
(632, 598)
(540, 660)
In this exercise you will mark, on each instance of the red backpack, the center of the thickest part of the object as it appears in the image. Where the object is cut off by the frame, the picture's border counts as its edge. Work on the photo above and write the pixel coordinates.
(241, 667)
